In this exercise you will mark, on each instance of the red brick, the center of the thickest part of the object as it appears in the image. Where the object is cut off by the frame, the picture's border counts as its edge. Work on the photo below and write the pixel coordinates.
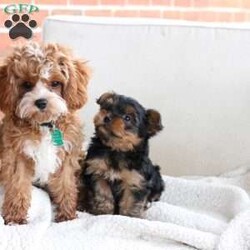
(225, 3)
(138, 2)
(182, 3)
(225, 17)
(150, 13)
(240, 17)
(201, 3)
(247, 16)
(54, 2)
(245, 3)
(113, 2)
(3, 17)
(190, 15)
(5, 41)
(37, 37)
(126, 13)
(208, 16)
(172, 14)
(15, 2)
(161, 2)
(84, 2)
(66, 12)
(98, 13)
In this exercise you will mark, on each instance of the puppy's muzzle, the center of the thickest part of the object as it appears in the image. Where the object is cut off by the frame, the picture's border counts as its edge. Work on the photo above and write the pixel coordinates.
(41, 104)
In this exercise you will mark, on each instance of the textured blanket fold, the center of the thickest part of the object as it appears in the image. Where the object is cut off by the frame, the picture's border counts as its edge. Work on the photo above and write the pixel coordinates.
(194, 213)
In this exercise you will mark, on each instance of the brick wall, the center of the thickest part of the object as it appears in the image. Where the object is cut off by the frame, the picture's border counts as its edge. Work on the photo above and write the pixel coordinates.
(193, 10)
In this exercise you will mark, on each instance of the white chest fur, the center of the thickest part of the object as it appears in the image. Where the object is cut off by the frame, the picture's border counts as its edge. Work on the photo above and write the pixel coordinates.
(44, 154)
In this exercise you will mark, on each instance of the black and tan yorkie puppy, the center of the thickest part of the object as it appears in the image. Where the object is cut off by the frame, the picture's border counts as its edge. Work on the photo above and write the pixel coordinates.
(118, 177)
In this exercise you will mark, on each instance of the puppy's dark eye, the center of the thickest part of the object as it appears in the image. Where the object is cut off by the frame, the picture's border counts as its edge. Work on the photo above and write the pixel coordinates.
(55, 84)
(106, 119)
(127, 118)
(27, 86)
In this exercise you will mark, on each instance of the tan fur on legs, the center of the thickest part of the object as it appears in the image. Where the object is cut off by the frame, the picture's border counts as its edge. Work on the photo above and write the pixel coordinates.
(63, 191)
(63, 184)
(129, 207)
(102, 202)
(18, 190)
(132, 181)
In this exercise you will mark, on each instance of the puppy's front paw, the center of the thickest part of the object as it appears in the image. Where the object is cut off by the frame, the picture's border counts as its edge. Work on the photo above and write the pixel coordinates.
(10, 220)
(15, 213)
(60, 217)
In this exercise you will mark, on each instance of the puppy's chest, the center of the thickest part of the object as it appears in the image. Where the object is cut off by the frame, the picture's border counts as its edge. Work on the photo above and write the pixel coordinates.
(45, 156)
(121, 172)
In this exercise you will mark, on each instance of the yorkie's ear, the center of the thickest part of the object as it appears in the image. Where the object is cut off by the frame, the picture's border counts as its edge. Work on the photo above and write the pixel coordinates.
(76, 90)
(154, 124)
(5, 89)
(107, 97)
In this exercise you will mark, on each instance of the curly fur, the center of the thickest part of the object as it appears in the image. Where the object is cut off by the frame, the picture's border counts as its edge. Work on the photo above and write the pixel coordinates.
(27, 153)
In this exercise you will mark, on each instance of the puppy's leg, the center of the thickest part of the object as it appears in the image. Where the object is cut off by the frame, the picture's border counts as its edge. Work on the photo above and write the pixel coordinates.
(100, 198)
(133, 202)
(155, 184)
(135, 192)
(63, 190)
(17, 181)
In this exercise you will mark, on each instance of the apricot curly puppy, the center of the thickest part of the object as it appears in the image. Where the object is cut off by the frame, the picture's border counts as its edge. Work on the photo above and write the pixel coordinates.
(41, 88)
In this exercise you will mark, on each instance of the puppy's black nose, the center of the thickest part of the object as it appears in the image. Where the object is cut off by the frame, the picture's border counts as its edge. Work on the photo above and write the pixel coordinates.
(41, 103)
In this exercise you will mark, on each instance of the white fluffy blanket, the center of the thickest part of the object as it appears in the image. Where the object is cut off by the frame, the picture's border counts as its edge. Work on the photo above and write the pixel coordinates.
(194, 213)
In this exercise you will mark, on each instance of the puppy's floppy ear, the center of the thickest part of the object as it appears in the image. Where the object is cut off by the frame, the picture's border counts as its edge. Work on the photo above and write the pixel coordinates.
(75, 93)
(154, 124)
(107, 97)
(5, 88)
